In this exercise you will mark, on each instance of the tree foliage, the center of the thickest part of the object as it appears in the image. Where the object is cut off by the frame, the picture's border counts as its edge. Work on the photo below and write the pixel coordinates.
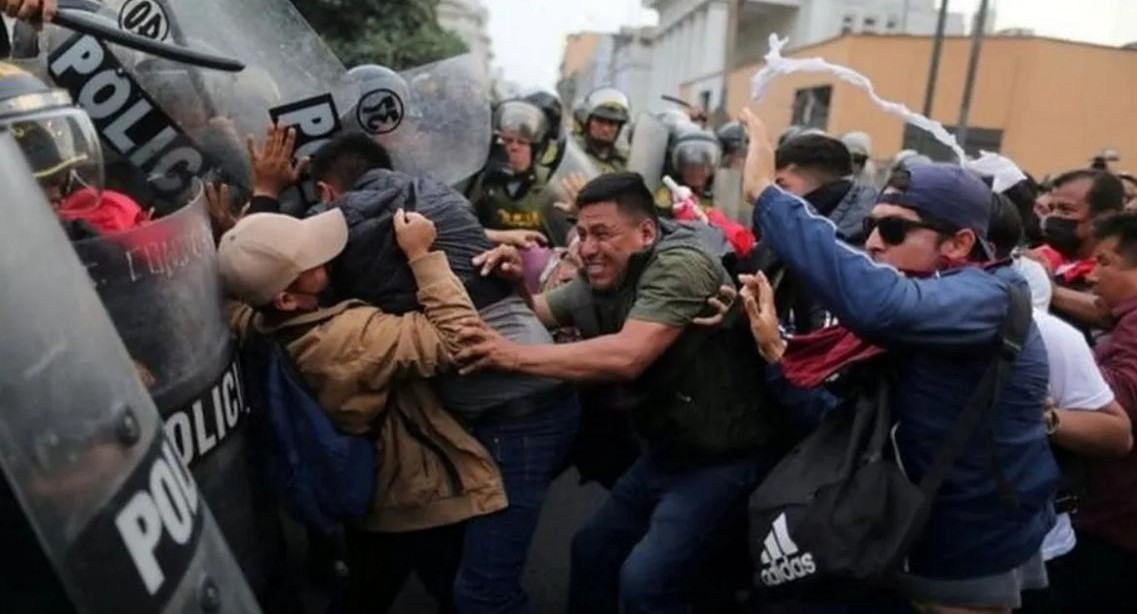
(394, 33)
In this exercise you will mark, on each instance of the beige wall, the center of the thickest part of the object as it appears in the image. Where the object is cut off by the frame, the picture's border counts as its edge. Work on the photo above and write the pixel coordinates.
(1056, 102)
(579, 49)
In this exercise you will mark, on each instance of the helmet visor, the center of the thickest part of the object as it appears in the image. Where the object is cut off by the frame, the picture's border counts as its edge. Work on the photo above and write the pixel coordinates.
(521, 120)
(62, 148)
(694, 154)
(609, 103)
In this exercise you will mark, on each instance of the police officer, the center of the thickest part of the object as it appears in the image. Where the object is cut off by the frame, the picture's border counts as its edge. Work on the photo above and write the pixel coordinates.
(59, 142)
(550, 105)
(607, 111)
(694, 157)
(732, 137)
(506, 196)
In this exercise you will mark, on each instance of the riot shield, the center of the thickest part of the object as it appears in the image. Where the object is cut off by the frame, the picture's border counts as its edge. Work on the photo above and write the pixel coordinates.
(728, 194)
(649, 150)
(436, 122)
(160, 286)
(102, 490)
(571, 160)
(168, 123)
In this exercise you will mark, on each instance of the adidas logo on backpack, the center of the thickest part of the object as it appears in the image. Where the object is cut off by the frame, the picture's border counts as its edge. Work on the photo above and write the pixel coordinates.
(781, 562)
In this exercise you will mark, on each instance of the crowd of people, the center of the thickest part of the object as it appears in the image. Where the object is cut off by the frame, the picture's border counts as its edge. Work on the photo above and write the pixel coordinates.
(558, 310)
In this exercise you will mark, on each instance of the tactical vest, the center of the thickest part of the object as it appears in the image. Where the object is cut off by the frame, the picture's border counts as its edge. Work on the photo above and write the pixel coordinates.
(703, 400)
(497, 210)
(617, 161)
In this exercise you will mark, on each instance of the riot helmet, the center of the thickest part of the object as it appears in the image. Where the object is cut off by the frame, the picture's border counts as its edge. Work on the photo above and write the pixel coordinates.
(695, 154)
(580, 116)
(860, 149)
(795, 131)
(609, 103)
(733, 138)
(675, 120)
(57, 138)
(521, 129)
(550, 105)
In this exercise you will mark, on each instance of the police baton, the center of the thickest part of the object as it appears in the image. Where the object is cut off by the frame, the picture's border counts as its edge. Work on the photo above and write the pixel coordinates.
(106, 30)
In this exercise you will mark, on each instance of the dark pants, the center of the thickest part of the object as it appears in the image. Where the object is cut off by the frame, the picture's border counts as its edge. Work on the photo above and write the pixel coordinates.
(530, 451)
(655, 530)
(379, 564)
(1096, 576)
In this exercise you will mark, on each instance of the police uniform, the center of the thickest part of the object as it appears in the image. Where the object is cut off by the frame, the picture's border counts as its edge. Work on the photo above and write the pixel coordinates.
(664, 201)
(499, 209)
(615, 162)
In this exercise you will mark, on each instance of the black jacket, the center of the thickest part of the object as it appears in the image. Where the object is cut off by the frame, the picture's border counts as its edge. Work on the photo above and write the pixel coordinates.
(373, 269)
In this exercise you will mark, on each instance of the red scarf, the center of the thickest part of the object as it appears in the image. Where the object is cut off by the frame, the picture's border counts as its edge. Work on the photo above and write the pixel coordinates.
(810, 360)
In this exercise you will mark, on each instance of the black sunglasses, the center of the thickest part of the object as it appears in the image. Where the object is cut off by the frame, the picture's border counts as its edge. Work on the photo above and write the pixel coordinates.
(894, 230)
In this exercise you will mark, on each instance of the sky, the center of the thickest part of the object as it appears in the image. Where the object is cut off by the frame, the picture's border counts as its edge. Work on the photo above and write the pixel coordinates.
(528, 35)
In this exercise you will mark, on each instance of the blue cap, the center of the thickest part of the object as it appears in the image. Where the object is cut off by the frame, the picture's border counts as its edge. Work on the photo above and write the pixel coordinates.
(948, 193)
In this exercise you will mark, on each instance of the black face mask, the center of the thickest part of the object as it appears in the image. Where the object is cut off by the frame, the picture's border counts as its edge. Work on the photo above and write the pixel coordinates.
(1062, 234)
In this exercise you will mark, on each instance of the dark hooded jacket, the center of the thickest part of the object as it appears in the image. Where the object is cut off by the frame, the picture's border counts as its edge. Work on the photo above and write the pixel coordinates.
(372, 268)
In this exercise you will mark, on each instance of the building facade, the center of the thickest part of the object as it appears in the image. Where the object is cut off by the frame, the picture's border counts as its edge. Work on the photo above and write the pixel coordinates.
(698, 42)
(593, 60)
(1047, 104)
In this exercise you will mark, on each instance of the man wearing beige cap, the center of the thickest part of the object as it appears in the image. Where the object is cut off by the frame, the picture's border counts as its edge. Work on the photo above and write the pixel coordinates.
(369, 370)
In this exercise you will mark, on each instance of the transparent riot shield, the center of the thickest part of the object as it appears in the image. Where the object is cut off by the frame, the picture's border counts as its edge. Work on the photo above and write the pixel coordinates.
(103, 491)
(571, 160)
(649, 150)
(160, 286)
(728, 194)
(435, 121)
(167, 123)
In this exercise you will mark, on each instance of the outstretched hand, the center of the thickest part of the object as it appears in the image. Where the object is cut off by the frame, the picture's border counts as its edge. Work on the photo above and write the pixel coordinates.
(519, 238)
(273, 170)
(572, 185)
(36, 12)
(504, 260)
(221, 214)
(758, 302)
(759, 170)
(483, 349)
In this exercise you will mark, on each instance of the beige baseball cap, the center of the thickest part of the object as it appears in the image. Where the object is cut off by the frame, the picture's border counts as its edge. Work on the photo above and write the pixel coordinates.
(265, 252)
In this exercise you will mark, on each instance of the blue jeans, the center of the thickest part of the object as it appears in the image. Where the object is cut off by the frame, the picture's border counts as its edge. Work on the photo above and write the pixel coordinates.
(650, 536)
(530, 451)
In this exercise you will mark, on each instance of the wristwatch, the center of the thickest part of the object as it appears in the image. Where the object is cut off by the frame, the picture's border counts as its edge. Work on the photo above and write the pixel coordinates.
(1052, 419)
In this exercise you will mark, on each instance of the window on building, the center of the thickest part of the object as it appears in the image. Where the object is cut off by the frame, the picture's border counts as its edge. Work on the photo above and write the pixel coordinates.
(705, 100)
(893, 24)
(870, 24)
(811, 107)
(986, 139)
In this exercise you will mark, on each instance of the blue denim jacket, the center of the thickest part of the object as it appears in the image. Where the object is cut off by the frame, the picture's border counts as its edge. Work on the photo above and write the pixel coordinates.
(943, 329)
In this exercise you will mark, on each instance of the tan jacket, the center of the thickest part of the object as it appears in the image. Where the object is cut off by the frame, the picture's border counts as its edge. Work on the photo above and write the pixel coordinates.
(370, 372)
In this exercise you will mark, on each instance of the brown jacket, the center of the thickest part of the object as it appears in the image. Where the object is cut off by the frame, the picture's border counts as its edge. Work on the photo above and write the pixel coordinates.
(370, 372)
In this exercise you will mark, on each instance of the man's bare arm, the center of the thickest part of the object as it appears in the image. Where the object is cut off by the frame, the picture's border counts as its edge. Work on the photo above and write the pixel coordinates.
(619, 357)
(1083, 307)
(1106, 433)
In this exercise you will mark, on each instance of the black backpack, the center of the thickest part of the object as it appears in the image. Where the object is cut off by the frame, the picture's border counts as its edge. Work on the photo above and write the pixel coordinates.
(837, 516)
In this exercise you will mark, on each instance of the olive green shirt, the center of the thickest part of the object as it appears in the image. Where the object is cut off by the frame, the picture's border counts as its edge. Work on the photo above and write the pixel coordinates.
(673, 290)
